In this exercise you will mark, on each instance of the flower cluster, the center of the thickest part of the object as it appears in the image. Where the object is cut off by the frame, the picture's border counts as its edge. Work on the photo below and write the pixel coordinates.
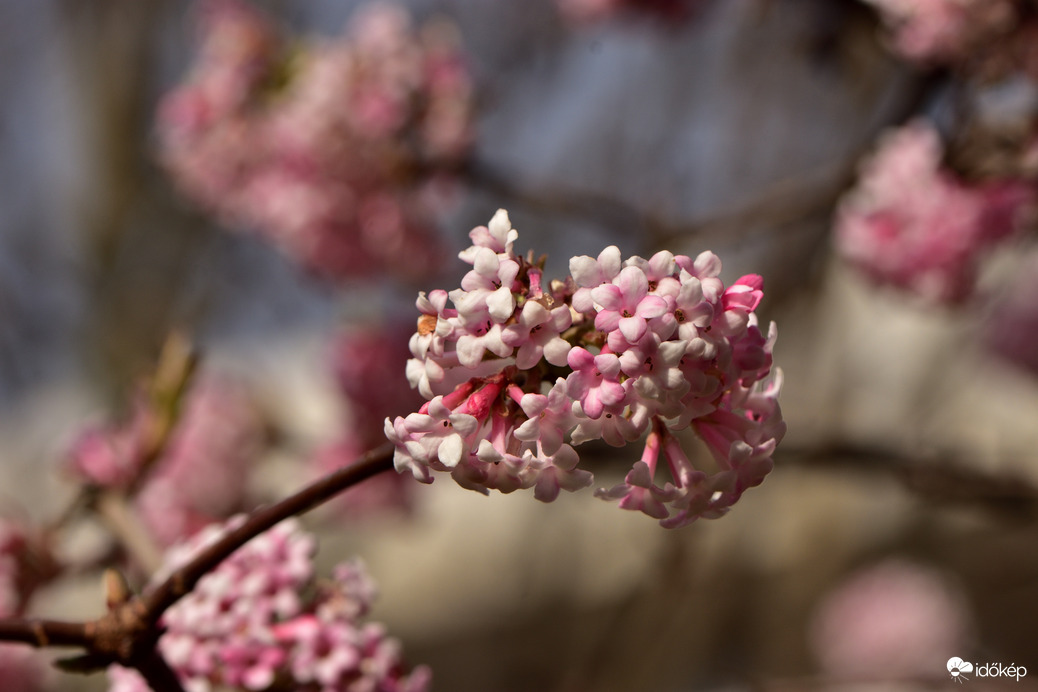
(943, 30)
(913, 224)
(199, 476)
(513, 367)
(260, 618)
(324, 148)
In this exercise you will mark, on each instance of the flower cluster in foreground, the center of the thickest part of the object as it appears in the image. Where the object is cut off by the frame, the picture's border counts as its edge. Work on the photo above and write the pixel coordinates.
(514, 366)
(913, 224)
(261, 621)
(325, 148)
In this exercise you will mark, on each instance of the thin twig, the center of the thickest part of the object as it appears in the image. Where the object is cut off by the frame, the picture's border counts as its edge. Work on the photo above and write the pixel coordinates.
(117, 515)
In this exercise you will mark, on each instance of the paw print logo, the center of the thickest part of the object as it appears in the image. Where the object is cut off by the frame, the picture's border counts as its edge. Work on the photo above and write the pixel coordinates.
(957, 668)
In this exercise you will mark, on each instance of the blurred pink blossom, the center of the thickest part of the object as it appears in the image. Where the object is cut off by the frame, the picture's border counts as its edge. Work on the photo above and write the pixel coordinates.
(324, 147)
(942, 30)
(202, 473)
(585, 11)
(894, 619)
(913, 224)
(261, 616)
(21, 669)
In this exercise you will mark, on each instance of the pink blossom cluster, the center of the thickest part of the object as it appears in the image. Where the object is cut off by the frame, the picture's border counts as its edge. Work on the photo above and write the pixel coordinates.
(200, 475)
(513, 366)
(261, 618)
(324, 147)
(585, 11)
(913, 224)
(940, 31)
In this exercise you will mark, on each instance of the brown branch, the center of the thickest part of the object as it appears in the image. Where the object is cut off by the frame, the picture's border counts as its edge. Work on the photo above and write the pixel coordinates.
(44, 633)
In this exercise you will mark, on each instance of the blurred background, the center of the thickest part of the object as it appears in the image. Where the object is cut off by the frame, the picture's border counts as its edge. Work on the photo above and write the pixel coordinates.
(899, 527)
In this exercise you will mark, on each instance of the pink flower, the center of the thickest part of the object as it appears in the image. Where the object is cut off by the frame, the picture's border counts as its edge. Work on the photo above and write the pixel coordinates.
(594, 381)
(199, 478)
(625, 304)
(23, 669)
(590, 273)
(586, 11)
(548, 417)
(438, 438)
(942, 30)
(536, 333)
(913, 225)
(556, 471)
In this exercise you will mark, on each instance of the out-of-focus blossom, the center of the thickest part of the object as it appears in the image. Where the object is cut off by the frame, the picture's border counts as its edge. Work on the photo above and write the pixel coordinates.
(893, 620)
(21, 669)
(913, 224)
(261, 617)
(202, 472)
(943, 30)
(619, 350)
(586, 11)
(109, 454)
(21, 569)
(324, 147)
(1011, 329)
